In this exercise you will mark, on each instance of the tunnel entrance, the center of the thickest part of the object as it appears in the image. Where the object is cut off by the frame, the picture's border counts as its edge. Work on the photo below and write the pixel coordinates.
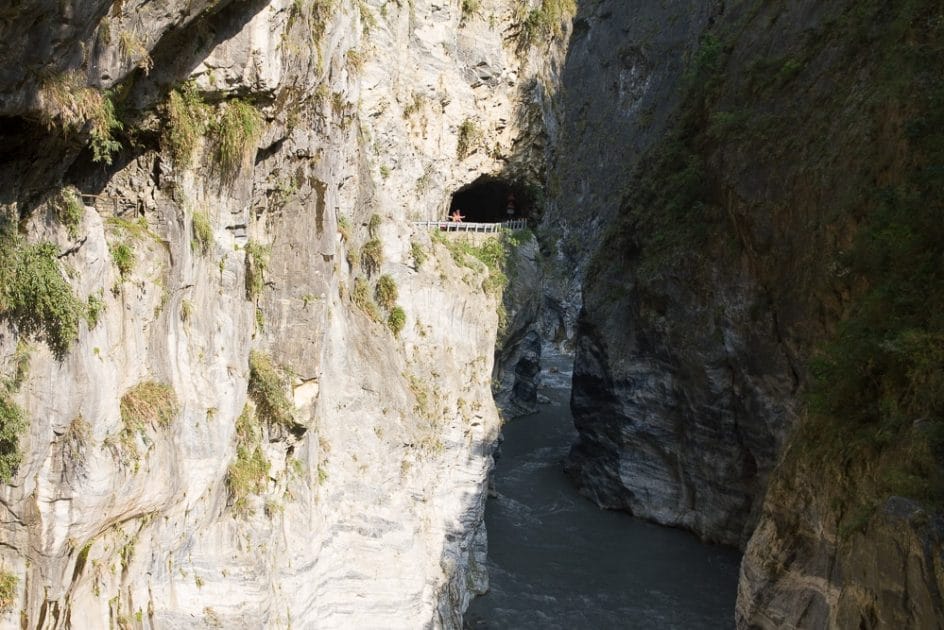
(492, 200)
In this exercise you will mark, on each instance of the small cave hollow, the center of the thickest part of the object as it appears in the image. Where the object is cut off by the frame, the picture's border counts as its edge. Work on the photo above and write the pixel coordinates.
(491, 199)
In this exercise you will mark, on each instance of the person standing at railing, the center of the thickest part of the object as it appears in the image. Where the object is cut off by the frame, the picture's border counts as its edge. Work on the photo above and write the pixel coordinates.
(510, 206)
(456, 216)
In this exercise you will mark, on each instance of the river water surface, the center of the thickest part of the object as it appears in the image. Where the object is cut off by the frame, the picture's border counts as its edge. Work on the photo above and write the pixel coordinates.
(555, 560)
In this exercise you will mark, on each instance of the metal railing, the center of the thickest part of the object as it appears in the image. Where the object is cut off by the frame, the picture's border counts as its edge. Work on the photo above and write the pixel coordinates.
(481, 228)
(113, 206)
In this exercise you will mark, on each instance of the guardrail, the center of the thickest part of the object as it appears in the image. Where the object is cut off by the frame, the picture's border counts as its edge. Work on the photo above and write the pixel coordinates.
(481, 228)
(113, 206)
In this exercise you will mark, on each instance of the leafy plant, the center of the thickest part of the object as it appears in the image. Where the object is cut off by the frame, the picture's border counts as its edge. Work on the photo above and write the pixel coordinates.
(355, 61)
(267, 391)
(396, 320)
(70, 210)
(34, 294)
(67, 103)
(202, 233)
(344, 228)
(248, 474)
(186, 310)
(148, 402)
(257, 261)
(122, 254)
(104, 124)
(543, 23)
(373, 225)
(469, 135)
(132, 49)
(360, 295)
(237, 132)
(386, 292)
(93, 310)
(186, 117)
(469, 8)
(372, 256)
(8, 584)
(418, 253)
(12, 424)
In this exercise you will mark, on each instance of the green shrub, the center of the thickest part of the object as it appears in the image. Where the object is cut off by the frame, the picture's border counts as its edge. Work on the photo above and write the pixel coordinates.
(355, 61)
(267, 391)
(396, 320)
(148, 403)
(132, 49)
(186, 310)
(360, 295)
(12, 424)
(418, 254)
(257, 261)
(34, 294)
(237, 132)
(122, 254)
(186, 117)
(386, 292)
(541, 24)
(249, 472)
(469, 135)
(469, 8)
(373, 225)
(104, 124)
(8, 584)
(93, 310)
(202, 233)
(344, 228)
(372, 256)
(70, 210)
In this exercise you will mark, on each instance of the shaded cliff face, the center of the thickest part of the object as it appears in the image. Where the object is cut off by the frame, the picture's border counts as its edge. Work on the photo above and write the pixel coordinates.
(770, 257)
(256, 394)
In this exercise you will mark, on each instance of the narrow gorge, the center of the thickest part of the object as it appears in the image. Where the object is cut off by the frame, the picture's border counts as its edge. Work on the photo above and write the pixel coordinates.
(275, 274)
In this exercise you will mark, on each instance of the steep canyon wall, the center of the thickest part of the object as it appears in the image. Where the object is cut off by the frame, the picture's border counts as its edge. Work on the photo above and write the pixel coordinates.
(240, 390)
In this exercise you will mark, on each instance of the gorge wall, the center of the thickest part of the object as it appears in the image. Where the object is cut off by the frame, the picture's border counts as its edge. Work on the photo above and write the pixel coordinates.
(240, 389)
(756, 355)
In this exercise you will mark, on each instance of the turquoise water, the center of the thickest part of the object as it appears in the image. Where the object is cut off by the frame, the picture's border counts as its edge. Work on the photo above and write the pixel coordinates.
(558, 561)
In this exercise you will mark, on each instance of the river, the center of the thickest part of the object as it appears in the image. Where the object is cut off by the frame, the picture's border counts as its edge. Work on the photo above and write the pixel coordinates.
(555, 560)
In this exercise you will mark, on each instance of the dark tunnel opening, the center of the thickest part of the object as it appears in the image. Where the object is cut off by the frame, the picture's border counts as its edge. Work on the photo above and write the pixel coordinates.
(491, 200)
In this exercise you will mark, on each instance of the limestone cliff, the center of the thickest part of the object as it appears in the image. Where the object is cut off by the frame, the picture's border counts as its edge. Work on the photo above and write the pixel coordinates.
(240, 389)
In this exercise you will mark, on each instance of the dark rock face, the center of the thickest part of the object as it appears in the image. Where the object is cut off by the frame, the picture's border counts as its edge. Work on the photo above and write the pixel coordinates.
(684, 438)
(723, 270)
(518, 358)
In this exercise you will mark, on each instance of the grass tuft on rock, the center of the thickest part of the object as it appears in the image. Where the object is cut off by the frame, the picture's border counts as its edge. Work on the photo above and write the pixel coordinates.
(396, 320)
(8, 584)
(202, 233)
(237, 132)
(186, 122)
(257, 261)
(148, 403)
(70, 210)
(386, 292)
(249, 472)
(372, 256)
(13, 423)
(267, 390)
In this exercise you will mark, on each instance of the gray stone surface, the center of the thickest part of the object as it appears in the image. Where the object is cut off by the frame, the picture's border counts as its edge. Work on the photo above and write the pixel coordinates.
(371, 515)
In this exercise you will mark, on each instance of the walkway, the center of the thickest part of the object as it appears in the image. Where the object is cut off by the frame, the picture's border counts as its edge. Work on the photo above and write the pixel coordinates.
(485, 228)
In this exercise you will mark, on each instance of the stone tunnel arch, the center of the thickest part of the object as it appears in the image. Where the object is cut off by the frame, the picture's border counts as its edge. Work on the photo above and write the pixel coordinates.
(488, 198)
